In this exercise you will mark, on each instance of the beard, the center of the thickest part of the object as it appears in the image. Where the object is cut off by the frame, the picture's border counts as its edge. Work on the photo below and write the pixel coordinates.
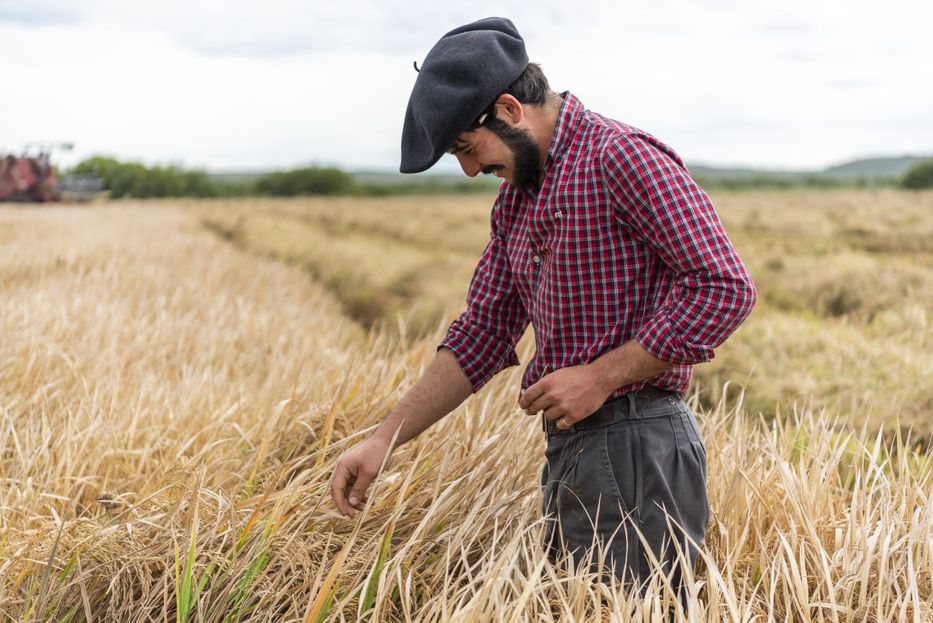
(525, 152)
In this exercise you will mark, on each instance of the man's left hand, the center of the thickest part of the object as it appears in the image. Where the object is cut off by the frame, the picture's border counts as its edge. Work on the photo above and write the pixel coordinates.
(566, 396)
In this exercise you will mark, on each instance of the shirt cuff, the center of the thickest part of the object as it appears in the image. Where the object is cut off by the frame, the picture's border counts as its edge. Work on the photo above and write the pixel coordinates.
(661, 340)
(480, 354)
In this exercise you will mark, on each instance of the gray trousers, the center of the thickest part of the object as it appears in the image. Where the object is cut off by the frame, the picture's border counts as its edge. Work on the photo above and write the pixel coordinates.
(645, 470)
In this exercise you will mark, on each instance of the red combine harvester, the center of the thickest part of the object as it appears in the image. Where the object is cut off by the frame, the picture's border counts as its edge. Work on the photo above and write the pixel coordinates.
(31, 178)
(28, 178)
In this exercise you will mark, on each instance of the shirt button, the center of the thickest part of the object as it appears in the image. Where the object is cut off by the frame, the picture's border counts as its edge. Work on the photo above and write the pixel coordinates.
(536, 259)
(558, 214)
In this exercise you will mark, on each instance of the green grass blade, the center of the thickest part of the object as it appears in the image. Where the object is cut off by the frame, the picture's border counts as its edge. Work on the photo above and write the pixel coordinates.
(325, 608)
(44, 584)
(369, 599)
(187, 581)
(68, 568)
(70, 614)
(177, 586)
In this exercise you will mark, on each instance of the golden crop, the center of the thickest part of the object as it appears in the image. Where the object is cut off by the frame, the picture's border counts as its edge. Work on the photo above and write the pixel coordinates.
(177, 380)
(846, 283)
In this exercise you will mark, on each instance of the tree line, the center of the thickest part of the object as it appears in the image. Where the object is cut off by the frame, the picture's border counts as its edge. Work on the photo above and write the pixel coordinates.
(135, 180)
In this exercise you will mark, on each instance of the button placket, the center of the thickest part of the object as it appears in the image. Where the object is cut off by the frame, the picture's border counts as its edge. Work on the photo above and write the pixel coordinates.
(536, 263)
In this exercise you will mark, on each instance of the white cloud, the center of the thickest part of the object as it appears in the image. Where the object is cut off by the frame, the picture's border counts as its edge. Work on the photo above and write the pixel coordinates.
(284, 82)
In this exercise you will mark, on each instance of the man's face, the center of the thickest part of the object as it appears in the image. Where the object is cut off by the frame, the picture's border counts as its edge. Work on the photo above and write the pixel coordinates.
(510, 153)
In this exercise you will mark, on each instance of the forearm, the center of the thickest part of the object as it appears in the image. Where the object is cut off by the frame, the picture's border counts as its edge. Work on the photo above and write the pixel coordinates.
(440, 390)
(627, 364)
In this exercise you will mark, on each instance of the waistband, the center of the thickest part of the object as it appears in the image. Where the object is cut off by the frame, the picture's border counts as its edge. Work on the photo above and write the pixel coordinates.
(625, 407)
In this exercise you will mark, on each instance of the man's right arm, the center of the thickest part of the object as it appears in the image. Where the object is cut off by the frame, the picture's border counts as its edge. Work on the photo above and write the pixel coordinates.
(478, 344)
(440, 390)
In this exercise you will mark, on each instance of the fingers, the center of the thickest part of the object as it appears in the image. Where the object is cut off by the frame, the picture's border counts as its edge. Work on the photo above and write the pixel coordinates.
(530, 395)
(555, 413)
(338, 488)
(536, 398)
(353, 474)
(348, 488)
(360, 502)
(541, 404)
(357, 498)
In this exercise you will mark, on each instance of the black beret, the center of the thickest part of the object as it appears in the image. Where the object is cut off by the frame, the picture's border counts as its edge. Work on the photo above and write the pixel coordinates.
(461, 76)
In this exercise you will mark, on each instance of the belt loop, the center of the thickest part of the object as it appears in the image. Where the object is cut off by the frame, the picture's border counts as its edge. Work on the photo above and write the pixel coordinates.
(632, 412)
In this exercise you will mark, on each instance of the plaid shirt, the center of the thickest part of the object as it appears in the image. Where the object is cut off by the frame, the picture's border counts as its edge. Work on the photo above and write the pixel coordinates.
(618, 243)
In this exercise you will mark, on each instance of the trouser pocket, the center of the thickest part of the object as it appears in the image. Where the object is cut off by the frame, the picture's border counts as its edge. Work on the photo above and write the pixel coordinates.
(675, 509)
(588, 506)
(559, 463)
(621, 456)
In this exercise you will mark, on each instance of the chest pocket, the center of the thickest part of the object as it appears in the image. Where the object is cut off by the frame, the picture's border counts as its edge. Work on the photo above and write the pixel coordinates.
(582, 227)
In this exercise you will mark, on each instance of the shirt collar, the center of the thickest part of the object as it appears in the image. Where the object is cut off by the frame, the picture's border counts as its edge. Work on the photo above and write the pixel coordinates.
(569, 118)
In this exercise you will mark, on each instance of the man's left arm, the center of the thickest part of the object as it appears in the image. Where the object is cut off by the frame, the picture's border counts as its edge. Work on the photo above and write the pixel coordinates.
(651, 192)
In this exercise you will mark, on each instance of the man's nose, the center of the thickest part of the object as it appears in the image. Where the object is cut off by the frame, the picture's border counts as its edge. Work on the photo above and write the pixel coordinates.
(469, 164)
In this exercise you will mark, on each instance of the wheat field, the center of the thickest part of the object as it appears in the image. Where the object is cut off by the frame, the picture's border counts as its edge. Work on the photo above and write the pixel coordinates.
(178, 379)
(845, 280)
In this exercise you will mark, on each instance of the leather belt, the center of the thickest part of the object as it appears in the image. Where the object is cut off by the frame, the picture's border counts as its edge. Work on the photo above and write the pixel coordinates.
(623, 407)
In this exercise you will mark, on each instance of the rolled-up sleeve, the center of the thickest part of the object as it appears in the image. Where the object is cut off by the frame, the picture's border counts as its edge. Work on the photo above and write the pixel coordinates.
(483, 337)
(713, 293)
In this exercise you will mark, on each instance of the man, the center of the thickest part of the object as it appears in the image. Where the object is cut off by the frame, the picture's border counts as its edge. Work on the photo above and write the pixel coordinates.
(601, 240)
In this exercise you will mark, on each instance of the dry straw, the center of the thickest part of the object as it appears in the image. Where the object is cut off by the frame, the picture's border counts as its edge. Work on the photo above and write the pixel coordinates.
(171, 410)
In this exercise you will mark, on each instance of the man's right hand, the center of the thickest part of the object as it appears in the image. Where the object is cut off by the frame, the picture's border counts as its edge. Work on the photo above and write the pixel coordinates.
(354, 472)
(440, 389)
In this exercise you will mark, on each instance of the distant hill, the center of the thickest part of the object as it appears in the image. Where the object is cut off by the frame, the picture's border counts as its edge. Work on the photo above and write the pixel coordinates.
(870, 168)
(711, 172)
(892, 166)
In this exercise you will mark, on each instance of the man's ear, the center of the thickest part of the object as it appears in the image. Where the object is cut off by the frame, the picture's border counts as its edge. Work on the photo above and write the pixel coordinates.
(509, 109)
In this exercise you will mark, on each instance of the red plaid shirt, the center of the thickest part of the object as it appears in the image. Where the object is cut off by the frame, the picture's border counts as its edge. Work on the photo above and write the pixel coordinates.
(618, 243)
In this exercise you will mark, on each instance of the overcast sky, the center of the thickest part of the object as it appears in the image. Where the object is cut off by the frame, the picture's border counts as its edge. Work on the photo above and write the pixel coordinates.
(228, 84)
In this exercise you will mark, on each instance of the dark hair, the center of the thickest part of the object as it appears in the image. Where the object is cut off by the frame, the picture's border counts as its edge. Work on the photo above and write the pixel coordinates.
(531, 87)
